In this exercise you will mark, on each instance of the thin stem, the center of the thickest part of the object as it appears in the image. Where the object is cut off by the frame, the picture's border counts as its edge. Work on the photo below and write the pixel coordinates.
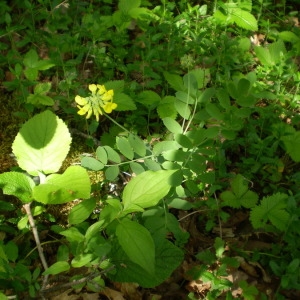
(37, 240)
(114, 121)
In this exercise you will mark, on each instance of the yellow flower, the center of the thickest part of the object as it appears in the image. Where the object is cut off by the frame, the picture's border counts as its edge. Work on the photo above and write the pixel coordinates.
(99, 100)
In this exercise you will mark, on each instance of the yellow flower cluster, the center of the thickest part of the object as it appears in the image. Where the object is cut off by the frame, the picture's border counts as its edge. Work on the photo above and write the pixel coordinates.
(100, 100)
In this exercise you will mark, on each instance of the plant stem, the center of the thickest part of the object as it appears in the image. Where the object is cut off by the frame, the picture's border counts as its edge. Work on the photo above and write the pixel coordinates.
(37, 240)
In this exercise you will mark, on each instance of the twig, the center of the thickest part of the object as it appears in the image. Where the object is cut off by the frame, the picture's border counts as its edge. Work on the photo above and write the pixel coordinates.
(75, 282)
(37, 240)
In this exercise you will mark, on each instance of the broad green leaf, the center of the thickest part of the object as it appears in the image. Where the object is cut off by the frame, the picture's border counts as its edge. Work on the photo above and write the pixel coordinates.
(214, 111)
(149, 99)
(125, 6)
(147, 189)
(244, 19)
(183, 109)
(137, 243)
(56, 268)
(81, 211)
(292, 144)
(31, 74)
(30, 59)
(166, 108)
(277, 50)
(73, 235)
(61, 188)
(82, 260)
(180, 204)
(263, 54)
(44, 64)
(172, 125)
(37, 99)
(116, 85)
(202, 77)
(175, 81)
(167, 258)
(176, 155)
(185, 97)
(18, 185)
(223, 98)
(137, 145)
(243, 87)
(12, 251)
(183, 141)
(125, 147)
(112, 155)
(111, 173)
(289, 36)
(91, 163)
(136, 168)
(190, 83)
(42, 144)
(152, 165)
(42, 88)
(124, 102)
(206, 95)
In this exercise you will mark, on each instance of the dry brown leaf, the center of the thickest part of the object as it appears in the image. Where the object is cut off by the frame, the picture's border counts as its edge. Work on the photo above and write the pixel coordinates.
(111, 294)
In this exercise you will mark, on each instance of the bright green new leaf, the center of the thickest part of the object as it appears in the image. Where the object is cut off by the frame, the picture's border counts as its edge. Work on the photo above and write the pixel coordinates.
(61, 188)
(81, 211)
(125, 147)
(172, 125)
(292, 145)
(56, 268)
(183, 109)
(81, 260)
(147, 189)
(37, 99)
(17, 184)
(73, 235)
(137, 243)
(244, 19)
(42, 144)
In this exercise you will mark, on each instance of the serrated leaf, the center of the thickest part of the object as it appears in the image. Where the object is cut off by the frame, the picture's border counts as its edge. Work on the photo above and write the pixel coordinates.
(81, 211)
(124, 102)
(18, 185)
(271, 209)
(166, 108)
(175, 81)
(172, 125)
(125, 5)
(42, 88)
(125, 147)
(149, 99)
(61, 188)
(37, 99)
(31, 74)
(116, 85)
(292, 144)
(30, 59)
(91, 163)
(42, 144)
(137, 243)
(56, 268)
(137, 145)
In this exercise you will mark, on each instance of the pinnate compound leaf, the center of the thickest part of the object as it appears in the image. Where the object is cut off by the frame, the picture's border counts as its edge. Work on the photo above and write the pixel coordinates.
(137, 243)
(91, 163)
(125, 147)
(56, 268)
(61, 188)
(271, 209)
(18, 185)
(147, 189)
(42, 144)
(112, 172)
(137, 145)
